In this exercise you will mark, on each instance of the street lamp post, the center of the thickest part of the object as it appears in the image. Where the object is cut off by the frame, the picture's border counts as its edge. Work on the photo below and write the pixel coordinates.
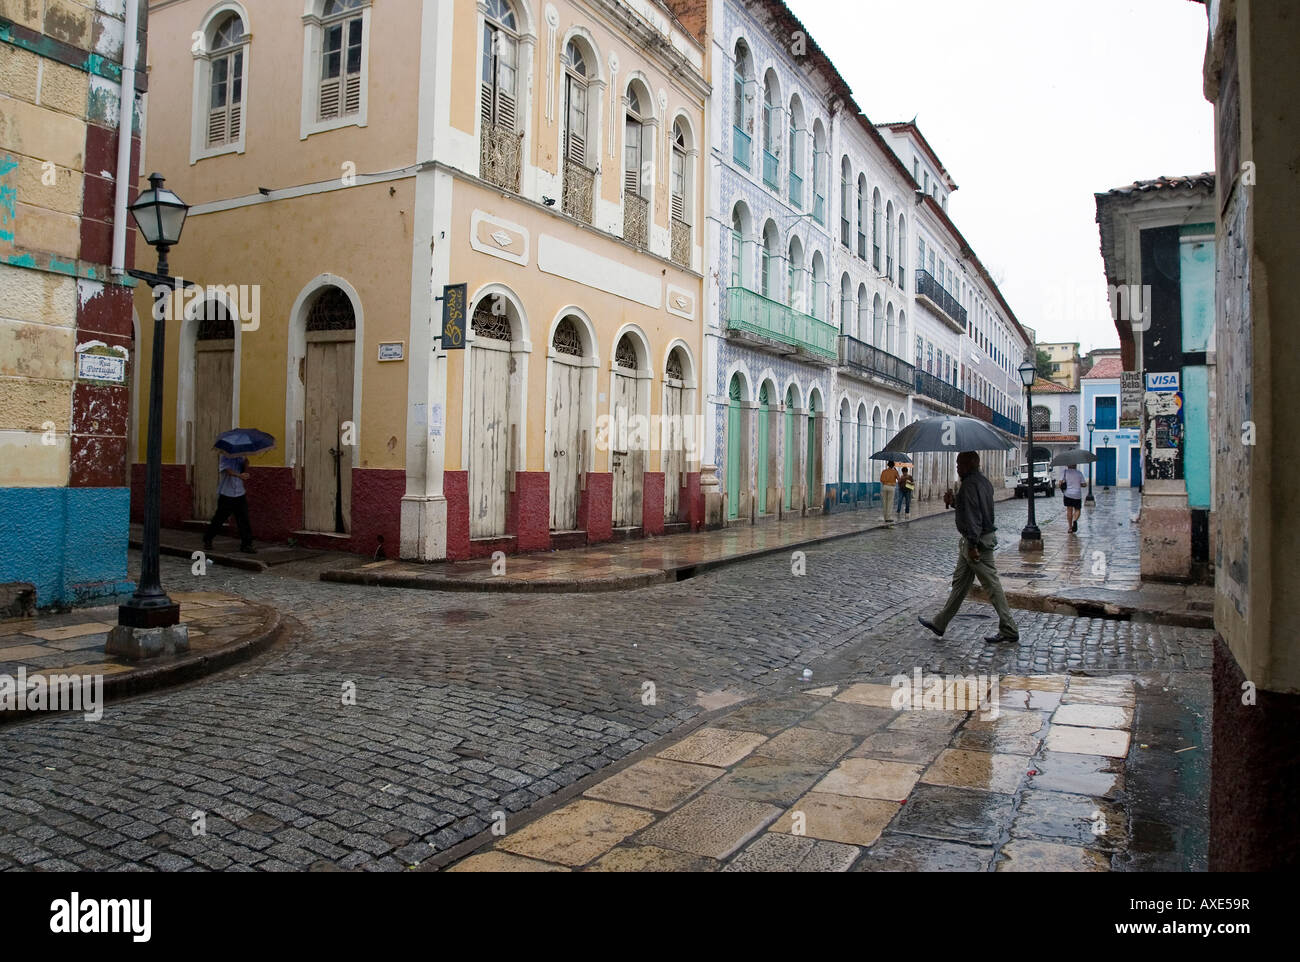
(1031, 539)
(1105, 443)
(1090, 499)
(148, 623)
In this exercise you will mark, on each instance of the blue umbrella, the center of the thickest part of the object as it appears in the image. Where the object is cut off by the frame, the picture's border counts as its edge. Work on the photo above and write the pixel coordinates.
(245, 441)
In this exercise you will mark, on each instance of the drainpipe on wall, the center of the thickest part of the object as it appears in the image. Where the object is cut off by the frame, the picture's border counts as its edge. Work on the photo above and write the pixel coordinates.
(125, 126)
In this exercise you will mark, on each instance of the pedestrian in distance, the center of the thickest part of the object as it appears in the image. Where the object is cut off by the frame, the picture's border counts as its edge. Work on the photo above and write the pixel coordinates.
(974, 505)
(1072, 491)
(888, 484)
(903, 499)
(231, 499)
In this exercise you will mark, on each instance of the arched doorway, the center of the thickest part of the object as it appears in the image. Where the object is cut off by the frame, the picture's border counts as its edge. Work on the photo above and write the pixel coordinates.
(627, 434)
(328, 442)
(735, 395)
(567, 434)
(814, 399)
(214, 379)
(791, 402)
(865, 451)
(846, 445)
(490, 424)
(674, 436)
(764, 407)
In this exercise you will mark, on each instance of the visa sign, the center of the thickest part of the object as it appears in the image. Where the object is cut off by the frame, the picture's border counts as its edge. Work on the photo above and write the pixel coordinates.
(1162, 382)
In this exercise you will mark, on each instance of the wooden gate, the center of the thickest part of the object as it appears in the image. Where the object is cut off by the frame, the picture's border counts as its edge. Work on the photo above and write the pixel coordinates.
(327, 460)
(566, 444)
(214, 368)
(627, 452)
(734, 467)
(489, 427)
(674, 443)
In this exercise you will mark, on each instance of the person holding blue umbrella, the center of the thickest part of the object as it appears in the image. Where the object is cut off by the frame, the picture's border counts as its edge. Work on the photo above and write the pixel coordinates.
(231, 496)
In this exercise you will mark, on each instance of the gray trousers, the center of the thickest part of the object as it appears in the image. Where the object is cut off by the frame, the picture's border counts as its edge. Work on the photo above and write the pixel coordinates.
(964, 576)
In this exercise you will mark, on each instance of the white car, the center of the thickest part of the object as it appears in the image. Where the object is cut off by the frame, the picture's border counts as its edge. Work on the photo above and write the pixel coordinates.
(1044, 483)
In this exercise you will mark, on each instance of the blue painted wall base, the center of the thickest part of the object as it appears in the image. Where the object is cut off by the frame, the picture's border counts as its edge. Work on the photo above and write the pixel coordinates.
(69, 542)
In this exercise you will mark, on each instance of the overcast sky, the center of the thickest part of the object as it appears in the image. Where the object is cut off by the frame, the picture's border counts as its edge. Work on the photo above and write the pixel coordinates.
(1033, 106)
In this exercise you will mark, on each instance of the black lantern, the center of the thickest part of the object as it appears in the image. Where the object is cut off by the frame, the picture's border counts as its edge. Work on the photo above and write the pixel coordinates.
(160, 215)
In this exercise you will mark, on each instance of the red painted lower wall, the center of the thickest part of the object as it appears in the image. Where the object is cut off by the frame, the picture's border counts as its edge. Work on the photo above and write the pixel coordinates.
(652, 503)
(596, 507)
(455, 488)
(693, 499)
(530, 509)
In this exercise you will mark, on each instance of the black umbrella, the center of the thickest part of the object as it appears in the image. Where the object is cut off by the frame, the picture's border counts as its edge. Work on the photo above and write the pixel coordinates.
(245, 441)
(902, 457)
(948, 433)
(1077, 456)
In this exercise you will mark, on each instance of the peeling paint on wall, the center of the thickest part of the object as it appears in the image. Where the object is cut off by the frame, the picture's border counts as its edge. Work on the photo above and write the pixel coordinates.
(1235, 408)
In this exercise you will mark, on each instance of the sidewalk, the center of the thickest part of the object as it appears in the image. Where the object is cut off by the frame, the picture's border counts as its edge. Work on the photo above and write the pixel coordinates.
(619, 566)
(223, 629)
(1072, 774)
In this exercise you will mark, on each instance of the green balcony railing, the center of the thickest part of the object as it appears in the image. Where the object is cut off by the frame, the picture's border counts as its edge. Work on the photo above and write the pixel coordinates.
(740, 147)
(751, 311)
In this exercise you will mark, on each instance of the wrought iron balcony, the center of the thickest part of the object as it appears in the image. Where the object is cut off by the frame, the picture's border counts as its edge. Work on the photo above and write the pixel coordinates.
(752, 312)
(499, 153)
(740, 147)
(932, 290)
(681, 242)
(1053, 427)
(860, 356)
(579, 184)
(978, 409)
(1010, 426)
(940, 390)
(770, 165)
(636, 219)
(796, 189)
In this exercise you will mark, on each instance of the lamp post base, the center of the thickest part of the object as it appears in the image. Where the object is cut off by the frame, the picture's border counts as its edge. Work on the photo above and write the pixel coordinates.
(137, 644)
(1031, 539)
(1090, 500)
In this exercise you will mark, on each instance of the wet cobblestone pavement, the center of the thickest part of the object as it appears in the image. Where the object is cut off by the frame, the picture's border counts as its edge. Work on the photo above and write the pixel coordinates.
(466, 705)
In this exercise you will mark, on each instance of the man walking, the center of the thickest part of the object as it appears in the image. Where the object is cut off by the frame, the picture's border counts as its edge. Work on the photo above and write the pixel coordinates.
(903, 500)
(1072, 488)
(974, 504)
(231, 500)
(888, 482)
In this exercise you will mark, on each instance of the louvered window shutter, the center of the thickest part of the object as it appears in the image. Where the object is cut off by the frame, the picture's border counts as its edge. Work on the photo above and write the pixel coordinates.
(632, 156)
(329, 98)
(679, 185)
(219, 103)
(577, 133)
(505, 82)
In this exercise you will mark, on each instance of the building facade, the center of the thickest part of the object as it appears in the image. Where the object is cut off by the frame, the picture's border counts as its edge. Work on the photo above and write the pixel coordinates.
(474, 233)
(1064, 359)
(1249, 76)
(1056, 421)
(1117, 445)
(71, 86)
(1157, 242)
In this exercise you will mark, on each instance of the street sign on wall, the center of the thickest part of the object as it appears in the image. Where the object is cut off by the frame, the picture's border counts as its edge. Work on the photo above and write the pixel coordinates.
(1130, 403)
(453, 317)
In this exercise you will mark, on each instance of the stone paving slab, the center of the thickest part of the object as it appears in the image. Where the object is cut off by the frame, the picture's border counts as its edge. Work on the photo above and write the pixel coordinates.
(222, 628)
(808, 800)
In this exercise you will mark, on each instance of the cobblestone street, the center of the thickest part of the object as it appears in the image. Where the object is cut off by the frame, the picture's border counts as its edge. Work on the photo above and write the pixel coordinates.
(471, 704)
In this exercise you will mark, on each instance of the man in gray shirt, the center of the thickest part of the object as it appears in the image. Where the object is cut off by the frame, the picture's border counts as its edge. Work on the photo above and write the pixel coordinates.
(974, 504)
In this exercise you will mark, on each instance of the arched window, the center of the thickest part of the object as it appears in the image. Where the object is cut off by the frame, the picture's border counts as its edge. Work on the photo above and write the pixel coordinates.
(579, 178)
(1074, 419)
(796, 160)
(846, 304)
(877, 322)
(889, 329)
(864, 314)
(680, 188)
(889, 240)
(862, 216)
(771, 131)
(567, 339)
(771, 256)
(331, 311)
(342, 45)
(902, 251)
(742, 117)
(226, 82)
(625, 353)
(846, 202)
(637, 154)
(875, 230)
(902, 332)
(490, 319)
(739, 236)
(819, 172)
(500, 139)
(794, 288)
(819, 286)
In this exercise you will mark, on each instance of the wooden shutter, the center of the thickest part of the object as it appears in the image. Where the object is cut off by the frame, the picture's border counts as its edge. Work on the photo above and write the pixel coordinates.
(632, 133)
(577, 132)
(330, 98)
(505, 74)
(217, 126)
(352, 92)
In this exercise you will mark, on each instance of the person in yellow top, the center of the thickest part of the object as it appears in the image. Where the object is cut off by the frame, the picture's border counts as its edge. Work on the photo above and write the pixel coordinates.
(888, 487)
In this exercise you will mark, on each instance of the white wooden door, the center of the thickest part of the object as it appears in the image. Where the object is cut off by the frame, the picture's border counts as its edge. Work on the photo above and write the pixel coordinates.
(674, 442)
(214, 366)
(489, 434)
(627, 453)
(566, 444)
(328, 407)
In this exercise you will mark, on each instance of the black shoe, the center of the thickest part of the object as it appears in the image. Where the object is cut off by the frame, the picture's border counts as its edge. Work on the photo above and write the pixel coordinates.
(1001, 639)
(930, 625)
(247, 549)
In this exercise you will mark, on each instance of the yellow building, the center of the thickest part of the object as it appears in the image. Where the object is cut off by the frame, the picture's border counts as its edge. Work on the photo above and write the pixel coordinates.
(349, 166)
(1065, 363)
